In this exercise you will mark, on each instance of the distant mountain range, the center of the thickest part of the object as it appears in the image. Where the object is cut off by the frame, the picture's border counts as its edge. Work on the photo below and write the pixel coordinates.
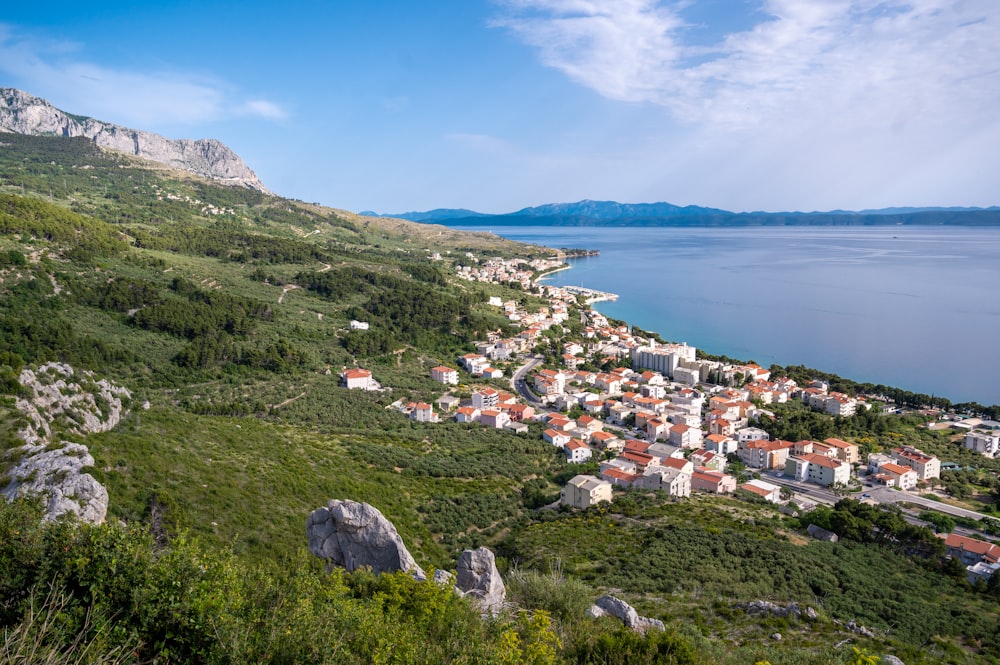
(22, 113)
(612, 213)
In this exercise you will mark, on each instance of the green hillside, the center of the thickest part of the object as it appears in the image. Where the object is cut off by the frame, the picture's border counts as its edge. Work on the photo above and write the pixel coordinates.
(226, 313)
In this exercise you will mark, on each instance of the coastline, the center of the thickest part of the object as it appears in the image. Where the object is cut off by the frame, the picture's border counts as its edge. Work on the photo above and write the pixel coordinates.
(886, 367)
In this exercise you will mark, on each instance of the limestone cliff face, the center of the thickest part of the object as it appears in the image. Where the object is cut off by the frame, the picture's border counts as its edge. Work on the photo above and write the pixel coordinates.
(22, 113)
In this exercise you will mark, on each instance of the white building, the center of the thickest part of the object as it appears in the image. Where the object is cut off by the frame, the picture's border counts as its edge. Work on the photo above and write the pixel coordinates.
(584, 491)
(663, 358)
(983, 443)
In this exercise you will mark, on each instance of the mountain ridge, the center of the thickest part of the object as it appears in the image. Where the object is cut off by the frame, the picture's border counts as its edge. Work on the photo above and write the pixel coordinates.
(612, 213)
(23, 113)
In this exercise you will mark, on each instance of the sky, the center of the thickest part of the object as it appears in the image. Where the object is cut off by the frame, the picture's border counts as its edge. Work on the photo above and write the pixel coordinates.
(496, 105)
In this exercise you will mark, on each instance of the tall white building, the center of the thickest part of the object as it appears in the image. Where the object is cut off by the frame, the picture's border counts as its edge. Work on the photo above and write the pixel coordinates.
(662, 358)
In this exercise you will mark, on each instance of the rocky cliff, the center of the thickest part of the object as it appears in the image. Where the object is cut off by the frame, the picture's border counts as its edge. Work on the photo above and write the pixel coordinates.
(22, 113)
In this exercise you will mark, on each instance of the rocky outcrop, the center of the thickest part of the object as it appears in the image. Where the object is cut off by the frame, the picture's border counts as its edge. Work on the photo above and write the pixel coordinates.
(611, 606)
(22, 113)
(56, 400)
(479, 579)
(891, 660)
(791, 610)
(57, 397)
(56, 475)
(353, 535)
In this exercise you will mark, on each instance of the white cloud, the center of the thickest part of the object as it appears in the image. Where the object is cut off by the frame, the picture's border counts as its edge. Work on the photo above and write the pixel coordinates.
(56, 71)
(883, 60)
(834, 101)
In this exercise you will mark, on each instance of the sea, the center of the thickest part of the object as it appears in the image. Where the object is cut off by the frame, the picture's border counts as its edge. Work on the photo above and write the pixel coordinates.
(913, 307)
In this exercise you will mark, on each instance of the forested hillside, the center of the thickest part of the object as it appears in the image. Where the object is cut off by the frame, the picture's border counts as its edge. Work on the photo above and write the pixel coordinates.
(226, 313)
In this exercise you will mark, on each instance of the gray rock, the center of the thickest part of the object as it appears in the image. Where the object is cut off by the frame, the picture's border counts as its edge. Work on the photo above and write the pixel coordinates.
(77, 402)
(22, 113)
(776, 637)
(479, 578)
(443, 577)
(891, 660)
(353, 535)
(855, 627)
(611, 606)
(56, 475)
(791, 610)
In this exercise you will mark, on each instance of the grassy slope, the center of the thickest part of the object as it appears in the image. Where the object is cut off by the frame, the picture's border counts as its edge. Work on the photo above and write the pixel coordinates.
(248, 482)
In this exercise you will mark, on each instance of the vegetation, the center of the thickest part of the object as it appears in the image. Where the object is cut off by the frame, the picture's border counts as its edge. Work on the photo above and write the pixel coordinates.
(227, 311)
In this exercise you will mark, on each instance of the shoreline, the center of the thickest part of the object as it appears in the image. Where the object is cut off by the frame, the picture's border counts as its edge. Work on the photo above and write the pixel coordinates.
(932, 393)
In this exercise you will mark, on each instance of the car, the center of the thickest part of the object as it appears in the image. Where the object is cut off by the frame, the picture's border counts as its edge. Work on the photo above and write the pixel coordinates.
(866, 495)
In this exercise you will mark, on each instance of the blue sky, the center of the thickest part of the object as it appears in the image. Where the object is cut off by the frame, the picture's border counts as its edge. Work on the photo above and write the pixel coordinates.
(495, 105)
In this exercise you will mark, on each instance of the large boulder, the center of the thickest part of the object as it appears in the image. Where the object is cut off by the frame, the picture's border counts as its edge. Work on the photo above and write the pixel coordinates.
(56, 475)
(618, 608)
(479, 579)
(353, 535)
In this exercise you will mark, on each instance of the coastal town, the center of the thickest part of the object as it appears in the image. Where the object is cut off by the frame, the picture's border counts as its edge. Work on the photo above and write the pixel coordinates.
(652, 415)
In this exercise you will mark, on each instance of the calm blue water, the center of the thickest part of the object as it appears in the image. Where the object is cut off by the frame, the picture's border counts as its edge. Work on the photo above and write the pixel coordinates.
(917, 308)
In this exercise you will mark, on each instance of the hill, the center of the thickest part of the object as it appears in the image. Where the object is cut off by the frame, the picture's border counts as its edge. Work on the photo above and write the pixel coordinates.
(226, 314)
(612, 213)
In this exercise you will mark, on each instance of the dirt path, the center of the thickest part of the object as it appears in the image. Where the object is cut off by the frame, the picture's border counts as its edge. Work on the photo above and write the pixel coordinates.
(285, 289)
(288, 401)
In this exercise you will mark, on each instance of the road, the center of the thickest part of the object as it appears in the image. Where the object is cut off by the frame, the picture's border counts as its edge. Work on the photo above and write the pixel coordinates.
(888, 495)
(520, 386)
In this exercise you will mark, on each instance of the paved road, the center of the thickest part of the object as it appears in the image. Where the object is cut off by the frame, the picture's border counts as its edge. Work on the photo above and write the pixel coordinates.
(888, 495)
(520, 386)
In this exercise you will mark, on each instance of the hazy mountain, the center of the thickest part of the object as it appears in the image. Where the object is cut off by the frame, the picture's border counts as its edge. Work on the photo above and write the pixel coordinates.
(612, 213)
(22, 113)
(430, 215)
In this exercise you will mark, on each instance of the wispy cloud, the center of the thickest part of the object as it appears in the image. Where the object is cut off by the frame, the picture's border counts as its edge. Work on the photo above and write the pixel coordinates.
(875, 61)
(58, 72)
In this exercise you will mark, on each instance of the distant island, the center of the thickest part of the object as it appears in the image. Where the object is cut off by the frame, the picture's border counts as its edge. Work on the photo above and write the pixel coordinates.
(612, 213)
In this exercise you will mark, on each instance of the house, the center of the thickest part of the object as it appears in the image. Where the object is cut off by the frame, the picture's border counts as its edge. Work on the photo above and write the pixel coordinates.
(491, 373)
(819, 533)
(360, 379)
(487, 398)
(447, 402)
(673, 482)
(846, 452)
(685, 436)
(819, 469)
(902, 477)
(971, 550)
(620, 478)
(556, 437)
(722, 445)
(445, 375)
(467, 414)
(584, 491)
(359, 325)
(708, 459)
(423, 413)
(751, 434)
(983, 443)
(589, 423)
(474, 363)
(926, 466)
(494, 418)
(678, 464)
(521, 412)
(764, 490)
(764, 454)
(561, 422)
(577, 452)
(606, 441)
(706, 480)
